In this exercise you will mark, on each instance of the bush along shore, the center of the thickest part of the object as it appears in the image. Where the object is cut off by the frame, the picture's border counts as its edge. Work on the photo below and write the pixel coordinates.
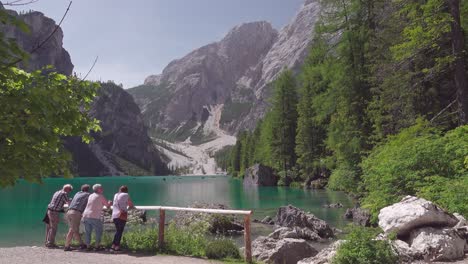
(411, 231)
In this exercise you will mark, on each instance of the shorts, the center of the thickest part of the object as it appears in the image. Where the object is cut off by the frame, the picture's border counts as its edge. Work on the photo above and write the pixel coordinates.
(74, 220)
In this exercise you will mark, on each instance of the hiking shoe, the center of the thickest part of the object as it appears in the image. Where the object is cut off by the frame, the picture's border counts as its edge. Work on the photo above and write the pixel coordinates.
(83, 247)
(67, 249)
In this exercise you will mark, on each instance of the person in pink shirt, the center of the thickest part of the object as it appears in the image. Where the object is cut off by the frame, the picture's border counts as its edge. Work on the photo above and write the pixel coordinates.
(92, 216)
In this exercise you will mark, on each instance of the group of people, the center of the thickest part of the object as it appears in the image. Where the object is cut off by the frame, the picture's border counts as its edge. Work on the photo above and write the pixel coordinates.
(86, 208)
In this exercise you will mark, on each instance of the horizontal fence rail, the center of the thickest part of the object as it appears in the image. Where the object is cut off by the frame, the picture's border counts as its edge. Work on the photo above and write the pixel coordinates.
(162, 219)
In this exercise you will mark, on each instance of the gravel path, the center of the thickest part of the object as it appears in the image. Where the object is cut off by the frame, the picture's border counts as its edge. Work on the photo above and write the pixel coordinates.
(36, 255)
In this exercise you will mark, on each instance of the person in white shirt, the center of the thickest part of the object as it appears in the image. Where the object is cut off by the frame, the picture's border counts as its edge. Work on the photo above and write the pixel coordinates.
(119, 214)
(92, 216)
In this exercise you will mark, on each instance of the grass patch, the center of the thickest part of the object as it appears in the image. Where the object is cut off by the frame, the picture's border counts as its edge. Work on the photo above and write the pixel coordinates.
(222, 249)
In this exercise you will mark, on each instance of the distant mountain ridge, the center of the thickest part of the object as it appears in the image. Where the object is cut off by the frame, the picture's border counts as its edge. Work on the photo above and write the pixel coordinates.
(232, 75)
(123, 147)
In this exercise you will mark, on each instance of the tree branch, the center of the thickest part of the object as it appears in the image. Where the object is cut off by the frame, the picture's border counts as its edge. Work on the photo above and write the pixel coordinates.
(92, 67)
(19, 3)
(443, 110)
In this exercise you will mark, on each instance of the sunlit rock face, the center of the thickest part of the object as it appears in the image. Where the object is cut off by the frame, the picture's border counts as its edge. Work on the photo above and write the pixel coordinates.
(235, 72)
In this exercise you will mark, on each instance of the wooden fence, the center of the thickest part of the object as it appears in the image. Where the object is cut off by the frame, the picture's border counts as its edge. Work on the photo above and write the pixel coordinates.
(162, 220)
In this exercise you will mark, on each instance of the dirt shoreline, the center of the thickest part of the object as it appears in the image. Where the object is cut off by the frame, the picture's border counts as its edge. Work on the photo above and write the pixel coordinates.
(36, 255)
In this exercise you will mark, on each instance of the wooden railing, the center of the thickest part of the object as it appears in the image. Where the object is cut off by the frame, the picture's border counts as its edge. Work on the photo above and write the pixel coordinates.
(162, 220)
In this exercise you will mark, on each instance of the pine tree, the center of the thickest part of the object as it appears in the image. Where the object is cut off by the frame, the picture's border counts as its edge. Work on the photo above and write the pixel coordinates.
(284, 121)
(311, 133)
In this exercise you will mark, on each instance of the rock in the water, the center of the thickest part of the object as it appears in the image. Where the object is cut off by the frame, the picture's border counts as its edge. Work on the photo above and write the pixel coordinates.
(325, 256)
(283, 251)
(437, 244)
(290, 216)
(359, 216)
(259, 175)
(411, 213)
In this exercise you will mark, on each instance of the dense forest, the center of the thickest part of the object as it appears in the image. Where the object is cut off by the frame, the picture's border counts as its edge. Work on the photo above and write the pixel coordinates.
(378, 109)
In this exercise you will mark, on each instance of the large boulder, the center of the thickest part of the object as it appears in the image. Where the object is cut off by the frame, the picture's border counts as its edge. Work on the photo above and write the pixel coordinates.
(359, 216)
(413, 212)
(437, 244)
(325, 256)
(259, 175)
(282, 251)
(292, 217)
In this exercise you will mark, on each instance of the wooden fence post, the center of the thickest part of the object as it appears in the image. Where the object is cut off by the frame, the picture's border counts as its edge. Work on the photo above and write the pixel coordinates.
(247, 239)
(162, 215)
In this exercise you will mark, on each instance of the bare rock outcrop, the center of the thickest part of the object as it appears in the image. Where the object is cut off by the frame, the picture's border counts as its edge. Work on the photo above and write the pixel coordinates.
(413, 212)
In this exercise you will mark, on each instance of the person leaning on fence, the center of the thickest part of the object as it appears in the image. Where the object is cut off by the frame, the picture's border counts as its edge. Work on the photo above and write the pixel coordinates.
(92, 216)
(73, 216)
(59, 199)
(120, 214)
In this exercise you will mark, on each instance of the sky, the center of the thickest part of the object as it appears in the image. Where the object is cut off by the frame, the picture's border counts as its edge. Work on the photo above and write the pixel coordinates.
(134, 39)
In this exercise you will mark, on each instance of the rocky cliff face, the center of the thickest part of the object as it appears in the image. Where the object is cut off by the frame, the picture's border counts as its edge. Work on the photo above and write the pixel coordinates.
(51, 53)
(123, 147)
(233, 75)
(179, 100)
(289, 51)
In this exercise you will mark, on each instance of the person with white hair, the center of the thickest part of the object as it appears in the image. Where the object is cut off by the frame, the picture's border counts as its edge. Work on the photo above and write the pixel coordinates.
(92, 216)
(59, 199)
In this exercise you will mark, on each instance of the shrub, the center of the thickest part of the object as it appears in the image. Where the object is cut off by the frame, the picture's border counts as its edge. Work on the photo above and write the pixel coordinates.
(343, 178)
(141, 240)
(222, 249)
(186, 241)
(421, 161)
(361, 247)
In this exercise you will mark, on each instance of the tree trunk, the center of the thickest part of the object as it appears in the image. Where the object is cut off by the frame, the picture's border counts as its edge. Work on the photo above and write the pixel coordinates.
(458, 49)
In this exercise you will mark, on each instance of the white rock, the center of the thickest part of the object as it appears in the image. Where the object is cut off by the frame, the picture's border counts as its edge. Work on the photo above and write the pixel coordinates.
(437, 244)
(411, 213)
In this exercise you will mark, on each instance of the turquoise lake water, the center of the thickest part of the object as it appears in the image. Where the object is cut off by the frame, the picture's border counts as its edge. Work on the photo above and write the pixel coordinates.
(23, 206)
